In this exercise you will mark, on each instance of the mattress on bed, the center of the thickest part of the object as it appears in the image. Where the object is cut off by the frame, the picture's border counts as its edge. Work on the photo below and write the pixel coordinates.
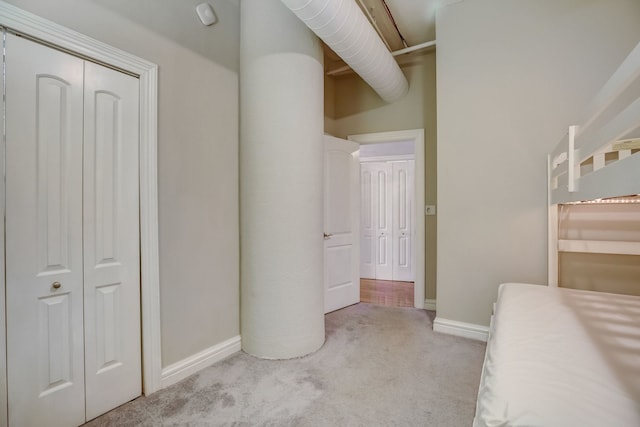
(561, 357)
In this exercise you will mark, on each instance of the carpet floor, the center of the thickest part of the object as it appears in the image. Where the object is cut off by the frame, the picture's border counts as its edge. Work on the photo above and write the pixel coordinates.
(379, 366)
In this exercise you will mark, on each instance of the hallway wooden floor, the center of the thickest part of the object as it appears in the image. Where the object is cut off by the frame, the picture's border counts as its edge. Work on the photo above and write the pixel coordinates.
(386, 292)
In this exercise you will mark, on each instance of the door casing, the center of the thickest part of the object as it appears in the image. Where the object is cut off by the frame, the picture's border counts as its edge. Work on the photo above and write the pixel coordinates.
(417, 136)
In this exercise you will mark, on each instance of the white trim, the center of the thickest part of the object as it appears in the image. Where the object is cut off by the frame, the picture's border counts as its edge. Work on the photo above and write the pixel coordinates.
(417, 136)
(3, 302)
(192, 364)
(393, 158)
(599, 247)
(552, 230)
(54, 34)
(430, 304)
(416, 47)
(461, 329)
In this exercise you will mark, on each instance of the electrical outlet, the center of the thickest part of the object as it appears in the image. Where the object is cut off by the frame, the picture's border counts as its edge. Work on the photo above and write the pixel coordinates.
(430, 210)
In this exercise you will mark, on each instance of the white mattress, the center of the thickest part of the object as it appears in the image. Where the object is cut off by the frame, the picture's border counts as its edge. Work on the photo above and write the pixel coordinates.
(560, 357)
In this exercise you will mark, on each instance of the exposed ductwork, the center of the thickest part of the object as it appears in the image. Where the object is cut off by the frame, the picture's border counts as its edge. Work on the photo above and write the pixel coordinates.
(344, 28)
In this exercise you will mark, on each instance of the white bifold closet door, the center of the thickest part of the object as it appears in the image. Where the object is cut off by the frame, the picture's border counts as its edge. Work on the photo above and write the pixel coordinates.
(387, 220)
(72, 237)
(402, 205)
(376, 228)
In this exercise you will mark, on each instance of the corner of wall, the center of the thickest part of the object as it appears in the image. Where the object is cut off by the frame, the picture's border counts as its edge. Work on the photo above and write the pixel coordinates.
(190, 365)
(461, 329)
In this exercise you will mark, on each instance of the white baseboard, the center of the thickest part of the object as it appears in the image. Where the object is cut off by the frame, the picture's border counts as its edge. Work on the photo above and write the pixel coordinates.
(461, 329)
(430, 304)
(192, 364)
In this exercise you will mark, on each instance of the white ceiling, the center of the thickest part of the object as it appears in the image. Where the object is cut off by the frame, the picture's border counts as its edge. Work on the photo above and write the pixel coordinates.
(416, 19)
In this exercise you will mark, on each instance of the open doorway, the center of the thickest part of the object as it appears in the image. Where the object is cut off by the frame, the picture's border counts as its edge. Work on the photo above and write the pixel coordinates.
(392, 222)
(387, 223)
(387, 292)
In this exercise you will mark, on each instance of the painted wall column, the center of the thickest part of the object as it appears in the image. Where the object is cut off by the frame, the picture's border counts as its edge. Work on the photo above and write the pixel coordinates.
(281, 183)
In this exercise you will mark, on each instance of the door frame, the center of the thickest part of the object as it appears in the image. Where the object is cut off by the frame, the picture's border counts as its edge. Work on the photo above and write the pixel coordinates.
(47, 32)
(417, 136)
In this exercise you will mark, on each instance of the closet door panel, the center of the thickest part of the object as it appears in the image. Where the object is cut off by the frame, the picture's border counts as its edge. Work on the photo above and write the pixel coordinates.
(44, 235)
(383, 223)
(403, 189)
(111, 240)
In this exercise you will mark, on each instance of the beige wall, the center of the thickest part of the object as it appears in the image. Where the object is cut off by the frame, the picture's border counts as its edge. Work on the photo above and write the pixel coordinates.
(329, 105)
(618, 274)
(600, 272)
(512, 76)
(352, 107)
(198, 153)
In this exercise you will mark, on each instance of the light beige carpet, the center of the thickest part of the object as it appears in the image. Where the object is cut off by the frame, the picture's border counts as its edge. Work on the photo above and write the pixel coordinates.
(380, 366)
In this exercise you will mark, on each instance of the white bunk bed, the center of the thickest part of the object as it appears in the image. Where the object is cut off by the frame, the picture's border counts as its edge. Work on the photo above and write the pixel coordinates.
(566, 357)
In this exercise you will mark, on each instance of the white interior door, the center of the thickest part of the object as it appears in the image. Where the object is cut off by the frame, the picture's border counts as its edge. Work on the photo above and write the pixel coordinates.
(44, 284)
(377, 230)
(403, 212)
(111, 244)
(341, 218)
(72, 237)
(383, 224)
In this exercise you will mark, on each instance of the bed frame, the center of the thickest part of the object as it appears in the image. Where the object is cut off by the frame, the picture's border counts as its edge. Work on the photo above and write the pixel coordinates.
(598, 161)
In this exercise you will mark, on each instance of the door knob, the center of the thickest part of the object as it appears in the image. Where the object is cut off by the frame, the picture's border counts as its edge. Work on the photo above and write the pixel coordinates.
(56, 285)
(327, 236)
